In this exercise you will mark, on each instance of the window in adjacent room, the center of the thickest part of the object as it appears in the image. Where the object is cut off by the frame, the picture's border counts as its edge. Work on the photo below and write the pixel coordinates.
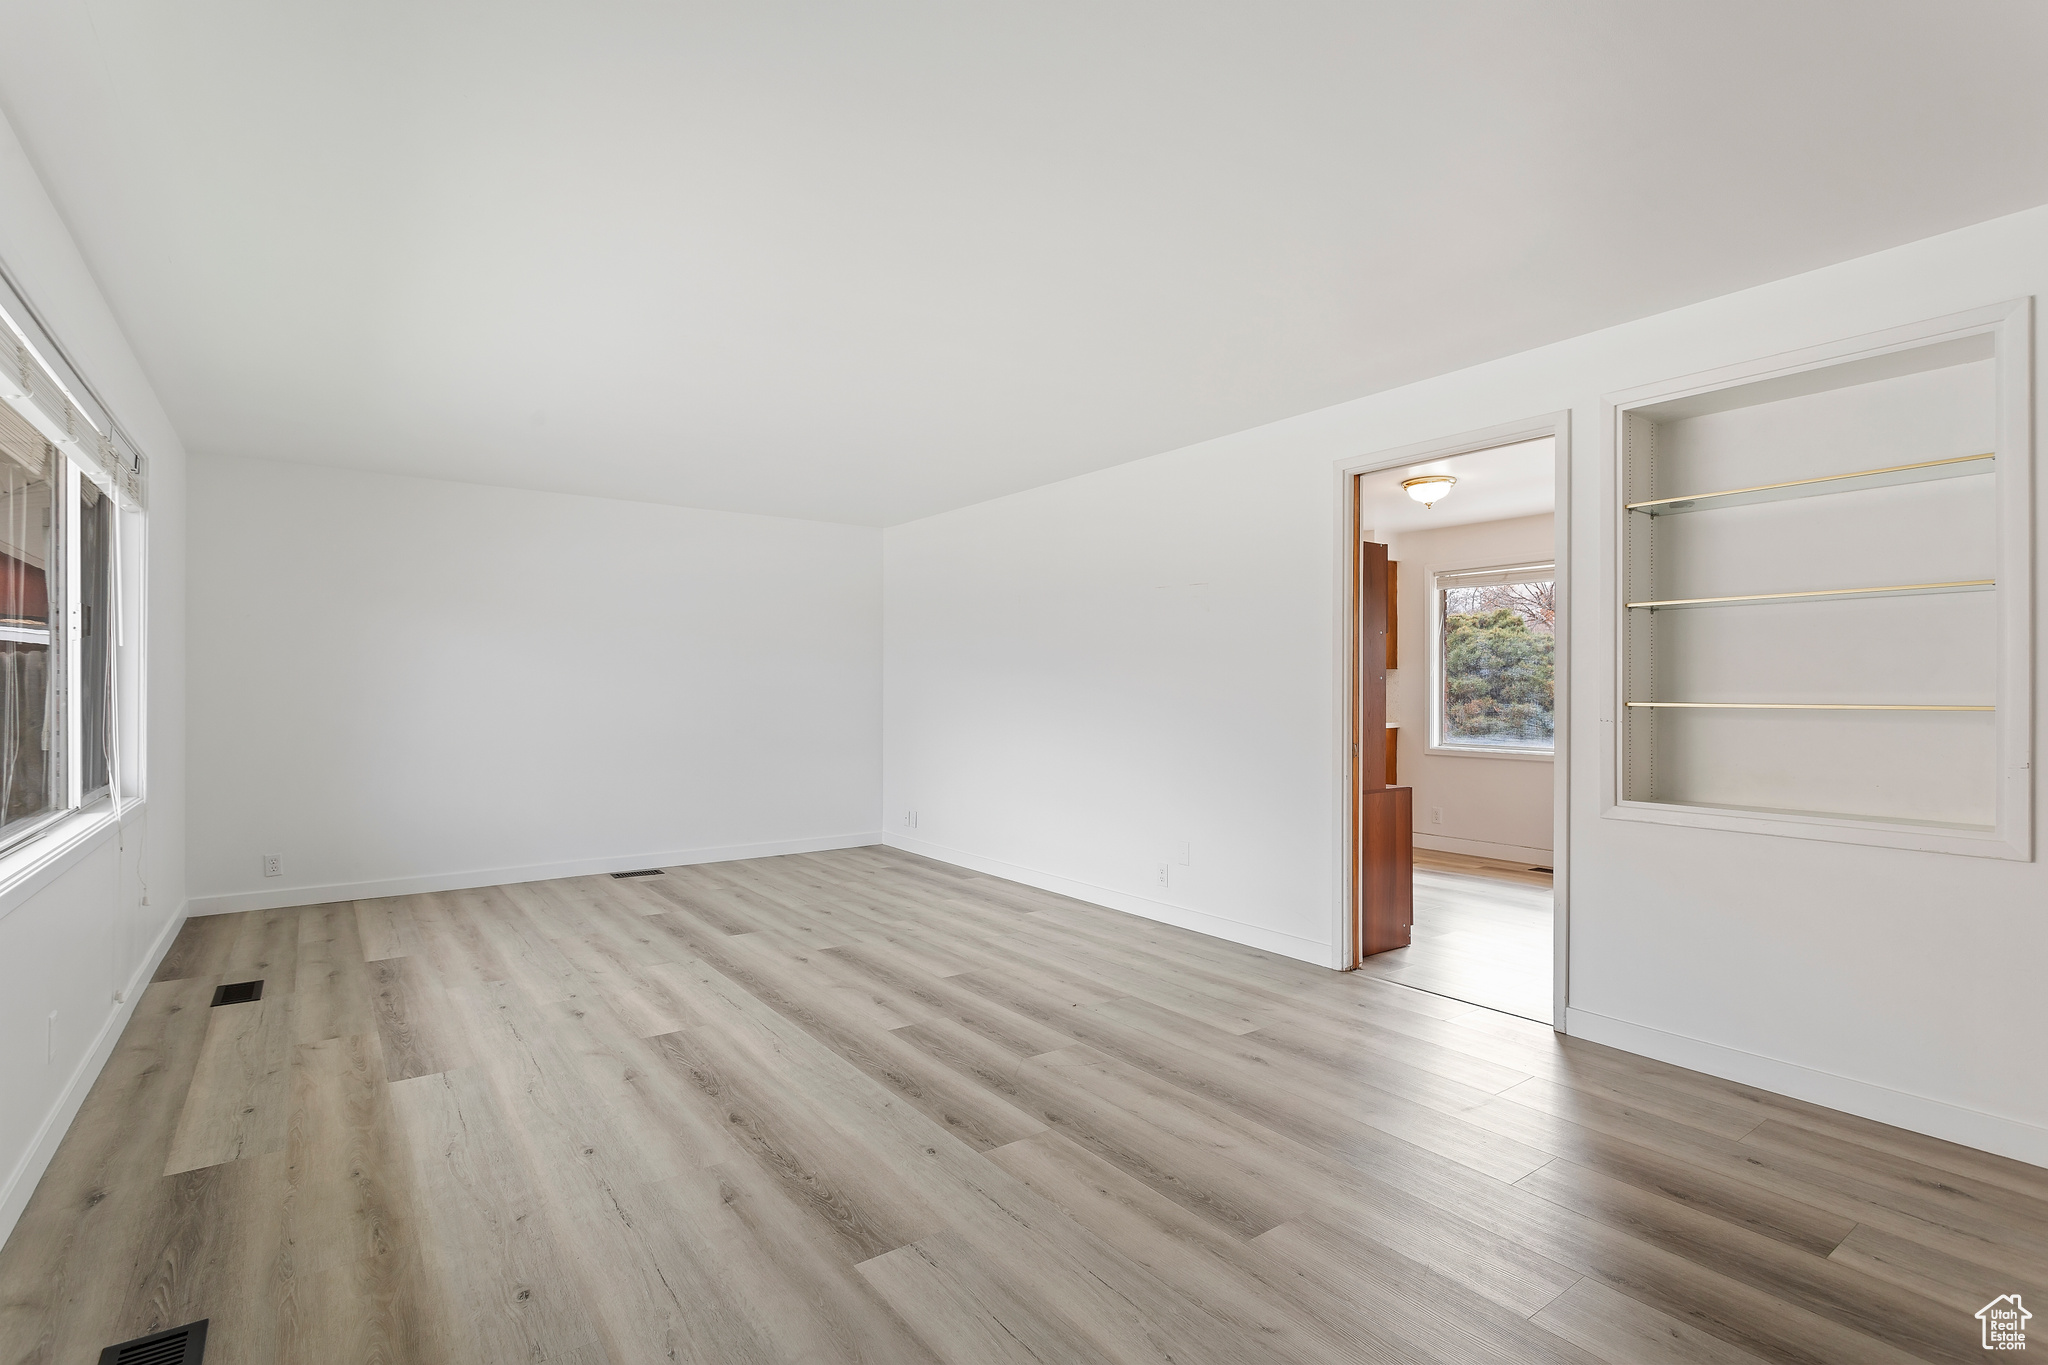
(1495, 654)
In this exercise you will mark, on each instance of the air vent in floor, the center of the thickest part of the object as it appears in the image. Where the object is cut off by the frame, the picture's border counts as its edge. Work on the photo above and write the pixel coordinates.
(180, 1346)
(238, 993)
(641, 872)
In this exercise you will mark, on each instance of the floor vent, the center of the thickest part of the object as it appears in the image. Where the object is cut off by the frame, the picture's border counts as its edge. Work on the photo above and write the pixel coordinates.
(235, 993)
(641, 872)
(180, 1346)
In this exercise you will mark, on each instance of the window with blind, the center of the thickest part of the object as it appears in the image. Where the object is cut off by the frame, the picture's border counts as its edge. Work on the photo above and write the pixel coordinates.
(1494, 659)
(67, 480)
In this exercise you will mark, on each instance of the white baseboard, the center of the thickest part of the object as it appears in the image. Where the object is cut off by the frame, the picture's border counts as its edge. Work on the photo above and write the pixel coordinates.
(1936, 1118)
(1215, 926)
(279, 898)
(22, 1180)
(1479, 848)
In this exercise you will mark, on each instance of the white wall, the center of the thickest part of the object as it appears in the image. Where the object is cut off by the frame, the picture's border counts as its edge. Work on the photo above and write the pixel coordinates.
(404, 684)
(1062, 700)
(1494, 807)
(74, 932)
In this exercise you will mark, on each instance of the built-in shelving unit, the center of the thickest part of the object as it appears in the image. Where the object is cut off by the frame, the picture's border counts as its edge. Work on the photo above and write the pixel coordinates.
(1873, 497)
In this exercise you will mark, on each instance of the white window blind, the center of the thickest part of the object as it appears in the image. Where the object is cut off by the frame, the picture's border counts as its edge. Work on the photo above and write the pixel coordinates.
(51, 408)
(1489, 578)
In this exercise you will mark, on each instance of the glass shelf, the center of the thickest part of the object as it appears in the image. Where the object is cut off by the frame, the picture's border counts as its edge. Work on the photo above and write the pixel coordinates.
(1803, 706)
(1821, 595)
(1958, 467)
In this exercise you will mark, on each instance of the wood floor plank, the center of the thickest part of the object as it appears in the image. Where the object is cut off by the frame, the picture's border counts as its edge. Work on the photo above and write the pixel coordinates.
(266, 950)
(331, 984)
(418, 1024)
(647, 1277)
(845, 1318)
(870, 1210)
(200, 949)
(385, 927)
(1429, 1315)
(1203, 1159)
(240, 1093)
(349, 1269)
(2011, 1220)
(1964, 1286)
(208, 1250)
(524, 930)
(1666, 1159)
(1234, 1277)
(970, 1312)
(1623, 1332)
(1826, 1289)
(1267, 1087)
(1840, 1187)
(502, 1281)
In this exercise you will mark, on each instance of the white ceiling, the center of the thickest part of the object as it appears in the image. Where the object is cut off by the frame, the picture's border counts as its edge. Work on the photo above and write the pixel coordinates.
(1518, 480)
(867, 262)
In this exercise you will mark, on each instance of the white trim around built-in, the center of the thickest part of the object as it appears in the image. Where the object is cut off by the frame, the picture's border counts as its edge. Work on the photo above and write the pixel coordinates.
(1936, 1118)
(42, 1149)
(1296, 946)
(2010, 326)
(278, 898)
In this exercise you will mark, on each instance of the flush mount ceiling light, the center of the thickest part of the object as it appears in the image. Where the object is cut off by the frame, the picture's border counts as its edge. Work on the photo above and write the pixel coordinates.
(1427, 488)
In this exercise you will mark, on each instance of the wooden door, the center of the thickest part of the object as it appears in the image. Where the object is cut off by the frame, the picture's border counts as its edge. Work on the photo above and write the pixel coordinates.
(1383, 829)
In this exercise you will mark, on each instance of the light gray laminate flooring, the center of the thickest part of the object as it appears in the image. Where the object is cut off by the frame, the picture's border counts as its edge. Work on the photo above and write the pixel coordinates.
(1482, 935)
(857, 1106)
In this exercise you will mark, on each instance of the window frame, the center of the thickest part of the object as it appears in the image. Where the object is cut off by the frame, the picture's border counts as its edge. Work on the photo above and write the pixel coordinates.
(1437, 747)
(69, 798)
(40, 383)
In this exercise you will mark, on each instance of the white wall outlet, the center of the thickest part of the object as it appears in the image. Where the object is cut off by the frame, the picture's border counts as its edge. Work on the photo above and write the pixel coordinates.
(273, 864)
(1163, 870)
(910, 819)
(1436, 815)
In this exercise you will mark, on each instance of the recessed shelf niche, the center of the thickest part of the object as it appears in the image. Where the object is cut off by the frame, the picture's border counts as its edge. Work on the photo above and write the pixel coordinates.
(1820, 567)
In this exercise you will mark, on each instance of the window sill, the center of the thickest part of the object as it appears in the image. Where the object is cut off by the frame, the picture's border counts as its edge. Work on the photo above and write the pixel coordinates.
(1518, 755)
(26, 871)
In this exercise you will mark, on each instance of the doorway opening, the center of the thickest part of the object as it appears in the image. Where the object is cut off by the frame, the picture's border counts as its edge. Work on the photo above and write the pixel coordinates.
(1458, 719)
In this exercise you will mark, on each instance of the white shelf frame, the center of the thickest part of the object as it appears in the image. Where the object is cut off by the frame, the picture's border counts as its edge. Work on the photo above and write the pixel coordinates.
(2009, 325)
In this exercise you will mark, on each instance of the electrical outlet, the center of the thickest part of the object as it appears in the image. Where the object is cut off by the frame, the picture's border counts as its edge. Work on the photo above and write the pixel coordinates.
(1163, 870)
(910, 819)
(1436, 815)
(273, 864)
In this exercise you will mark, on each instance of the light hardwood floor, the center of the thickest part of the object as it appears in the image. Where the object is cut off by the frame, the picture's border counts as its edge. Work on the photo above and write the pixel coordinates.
(859, 1106)
(1482, 934)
